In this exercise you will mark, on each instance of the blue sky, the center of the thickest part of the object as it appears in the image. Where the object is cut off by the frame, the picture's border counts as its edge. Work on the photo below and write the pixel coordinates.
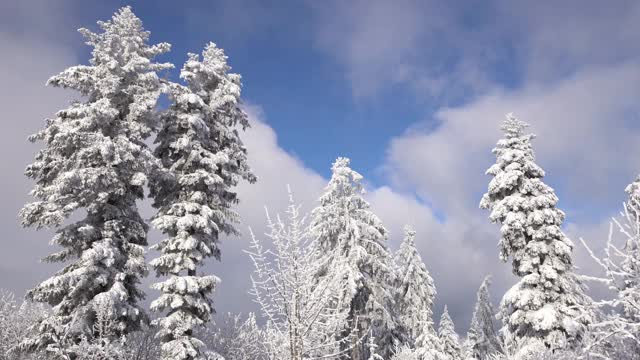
(412, 91)
(303, 90)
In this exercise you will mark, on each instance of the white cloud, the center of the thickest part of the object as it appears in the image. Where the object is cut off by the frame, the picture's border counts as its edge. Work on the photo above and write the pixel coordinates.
(586, 127)
(450, 51)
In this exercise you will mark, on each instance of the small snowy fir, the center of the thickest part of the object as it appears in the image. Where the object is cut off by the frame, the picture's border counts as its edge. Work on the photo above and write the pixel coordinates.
(548, 301)
(482, 338)
(203, 158)
(428, 345)
(414, 289)
(449, 340)
(94, 165)
(352, 248)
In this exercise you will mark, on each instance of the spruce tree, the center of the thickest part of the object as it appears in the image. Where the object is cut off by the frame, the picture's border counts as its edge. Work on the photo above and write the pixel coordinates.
(414, 290)
(94, 166)
(351, 243)
(482, 339)
(428, 345)
(546, 305)
(203, 158)
(449, 340)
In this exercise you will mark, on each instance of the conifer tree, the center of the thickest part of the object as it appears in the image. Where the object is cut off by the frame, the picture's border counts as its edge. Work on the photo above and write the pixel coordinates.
(94, 165)
(633, 192)
(629, 287)
(351, 243)
(203, 158)
(449, 340)
(428, 345)
(546, 305)
(414, 290)
(482, 339)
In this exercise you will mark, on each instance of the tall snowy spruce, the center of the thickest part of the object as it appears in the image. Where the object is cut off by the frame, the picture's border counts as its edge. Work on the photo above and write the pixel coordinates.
(203, 158)
(414, 290)
(351, 241)
(449, 339)
(94, 165)
(482, 339)
(546, 307)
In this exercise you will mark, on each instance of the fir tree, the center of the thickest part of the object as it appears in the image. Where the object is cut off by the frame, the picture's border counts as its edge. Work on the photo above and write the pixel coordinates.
(428, 345)
(94, 165)
(449, 340)
(415, 290)
(204, 158)
(351, 243)
(546, 304)
(482, 339)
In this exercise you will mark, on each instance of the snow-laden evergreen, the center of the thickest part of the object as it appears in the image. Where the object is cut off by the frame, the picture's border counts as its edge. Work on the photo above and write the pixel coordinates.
(547, 304)
(449, 339)
(633, 192)
(482, 339)
(203, 158)
(404, 353)
(94, 165)
(629, 256)
(428, 345)
(352, 249)
(414, 290)
(304, 320)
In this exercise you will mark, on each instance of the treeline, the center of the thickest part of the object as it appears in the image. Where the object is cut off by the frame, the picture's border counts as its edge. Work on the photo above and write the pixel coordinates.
(327, 284)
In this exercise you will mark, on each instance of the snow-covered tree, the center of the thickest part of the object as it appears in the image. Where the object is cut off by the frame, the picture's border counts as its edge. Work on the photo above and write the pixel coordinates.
(628, 284)
(235, 338)
(203, 159)
(105, 343)
(618, 326)
(94, 165)
(414, 290)
(428, 345)
(352, 250)
(304, 320)
(449, 339)
(548, 302)
(17, 322)
(404, 352)
(373, 349)
(482, 339)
